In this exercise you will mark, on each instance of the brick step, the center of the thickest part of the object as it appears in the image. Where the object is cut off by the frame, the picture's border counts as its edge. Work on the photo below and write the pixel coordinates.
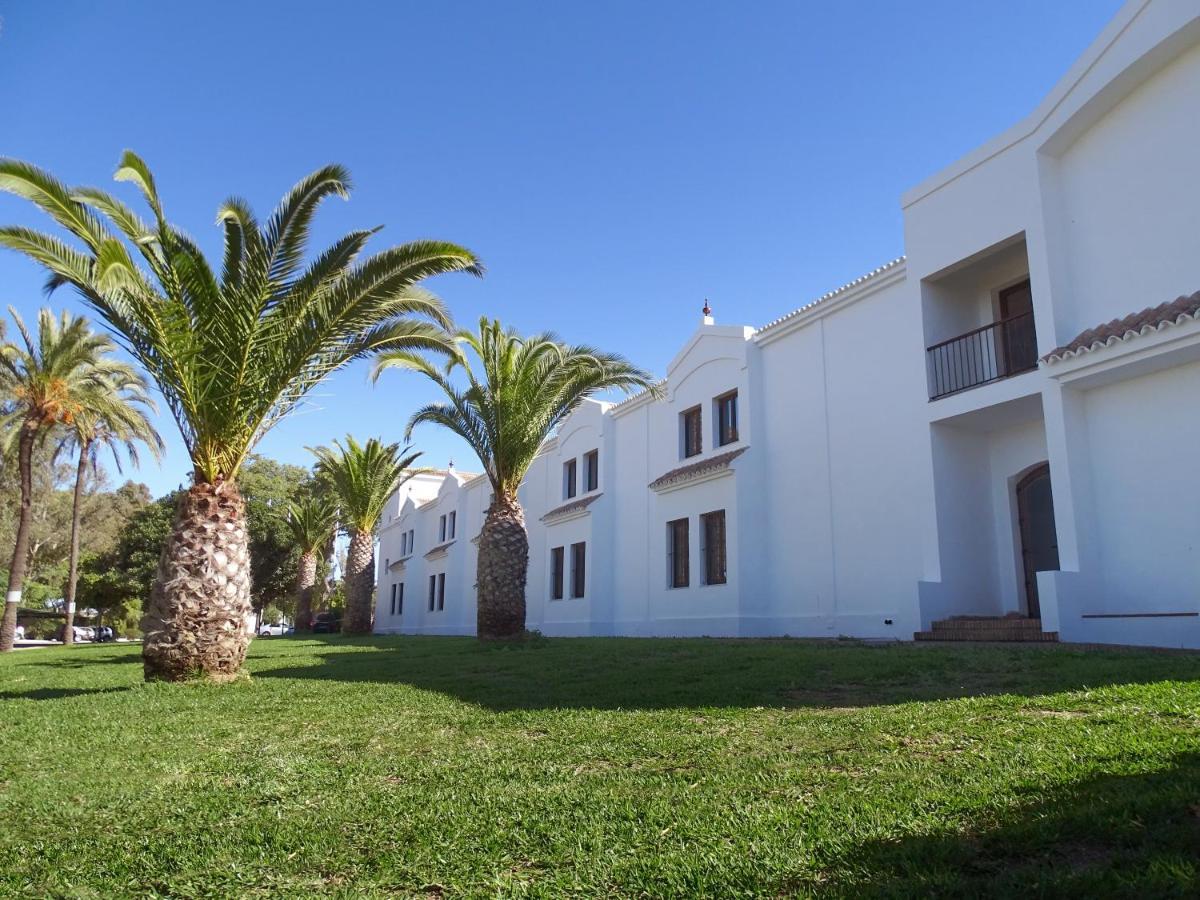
(997, 625)
(1000, 636)
(987, 628)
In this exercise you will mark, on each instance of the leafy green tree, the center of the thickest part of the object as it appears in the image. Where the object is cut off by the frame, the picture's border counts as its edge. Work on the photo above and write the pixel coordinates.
(363, 477)
(232, 352)
(50, 380)
(312, 522)
(518, 391)
(269, 488)
(119, 421)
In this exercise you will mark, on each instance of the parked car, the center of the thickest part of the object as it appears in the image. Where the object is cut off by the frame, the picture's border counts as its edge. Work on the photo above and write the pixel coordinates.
(82, 633)
(327, 622)
(268, 630)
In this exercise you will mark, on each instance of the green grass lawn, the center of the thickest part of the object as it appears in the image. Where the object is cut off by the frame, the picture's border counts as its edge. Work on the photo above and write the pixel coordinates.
(434, 766)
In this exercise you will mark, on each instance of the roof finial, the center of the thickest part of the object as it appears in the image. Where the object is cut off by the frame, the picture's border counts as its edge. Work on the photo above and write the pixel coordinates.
(708, 316)
(450, 465)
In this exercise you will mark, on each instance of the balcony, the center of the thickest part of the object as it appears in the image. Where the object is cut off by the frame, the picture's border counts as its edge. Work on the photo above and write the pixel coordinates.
(1000, 350)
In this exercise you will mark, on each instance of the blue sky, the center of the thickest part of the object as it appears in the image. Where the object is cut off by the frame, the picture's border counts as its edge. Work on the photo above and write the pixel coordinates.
(613, 163)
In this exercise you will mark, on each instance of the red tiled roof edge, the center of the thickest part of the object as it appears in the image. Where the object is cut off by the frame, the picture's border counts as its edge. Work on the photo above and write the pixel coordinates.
(581, 503)
(720, 461)
(1153, 318)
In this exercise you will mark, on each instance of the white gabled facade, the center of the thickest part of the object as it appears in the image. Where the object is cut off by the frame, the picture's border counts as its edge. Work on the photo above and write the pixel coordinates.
(970, 430)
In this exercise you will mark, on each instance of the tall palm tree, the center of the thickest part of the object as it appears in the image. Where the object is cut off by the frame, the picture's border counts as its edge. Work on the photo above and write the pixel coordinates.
(116, 418)
(232, 353)
(523, 388)
(313, 521)
(49, 380)
(363, 477)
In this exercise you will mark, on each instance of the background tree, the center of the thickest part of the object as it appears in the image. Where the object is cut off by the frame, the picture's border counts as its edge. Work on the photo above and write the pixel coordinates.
(269, 488)
(232, 354)
(117, 581)
(312, 522)
(363, 477)
(50, 380)
(522, 389)
(116, 418)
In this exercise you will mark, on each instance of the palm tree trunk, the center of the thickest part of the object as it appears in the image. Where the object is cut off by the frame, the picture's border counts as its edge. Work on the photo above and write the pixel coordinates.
(306, 579)
(73, 565)
(20, 556)
(360, 584)
(195, 623)
(501, 571)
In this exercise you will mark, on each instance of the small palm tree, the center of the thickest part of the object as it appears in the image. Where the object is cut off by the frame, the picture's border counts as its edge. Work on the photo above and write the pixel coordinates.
(49, 382)
(312, 521)
(232, 354)
(523, 389)
(116, 417)
(363, 477)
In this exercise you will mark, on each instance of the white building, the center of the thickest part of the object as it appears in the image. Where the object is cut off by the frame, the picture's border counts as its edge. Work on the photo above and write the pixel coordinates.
(957, 433)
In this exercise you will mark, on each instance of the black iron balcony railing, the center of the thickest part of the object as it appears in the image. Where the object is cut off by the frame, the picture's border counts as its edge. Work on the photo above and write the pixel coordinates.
(987, 354)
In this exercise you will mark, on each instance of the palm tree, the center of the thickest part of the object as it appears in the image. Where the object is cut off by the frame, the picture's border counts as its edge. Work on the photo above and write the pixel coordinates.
(232, 354)
(115, 418)
(523, 389)
(313, 521)
(50, 381)
(363, 477)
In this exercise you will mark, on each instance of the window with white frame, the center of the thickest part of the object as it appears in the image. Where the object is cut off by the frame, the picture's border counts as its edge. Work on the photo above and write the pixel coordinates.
(441, 529)
(726, 415)
(441, 592)
(393, 598)
(591, 470)
(451, 523)
(569, 479)
(712, 530)
(691, 441)
(678, 562)
(578, 569)
(557, 573)
(432, 592)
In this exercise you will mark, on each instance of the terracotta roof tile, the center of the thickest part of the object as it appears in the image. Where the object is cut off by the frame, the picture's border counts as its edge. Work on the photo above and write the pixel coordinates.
(1153, 318)
(692, 470)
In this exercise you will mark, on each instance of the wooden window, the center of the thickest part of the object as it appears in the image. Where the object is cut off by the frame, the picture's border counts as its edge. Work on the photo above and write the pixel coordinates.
(677, 553)
(557, 560)
(452, 523)
(400, 600)
(690, 425)
(591, 464)
(712, 526)
(441, 593)
(578, 573)
(569, 479)
(727, 418)
(432, 592)
(393, 599)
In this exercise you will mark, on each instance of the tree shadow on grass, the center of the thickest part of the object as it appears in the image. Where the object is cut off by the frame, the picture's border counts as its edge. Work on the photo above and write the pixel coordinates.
(56, 693)
(622, 673)
(1110, 835)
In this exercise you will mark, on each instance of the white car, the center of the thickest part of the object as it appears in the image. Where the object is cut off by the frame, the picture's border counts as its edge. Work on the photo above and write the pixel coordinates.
(266, 630)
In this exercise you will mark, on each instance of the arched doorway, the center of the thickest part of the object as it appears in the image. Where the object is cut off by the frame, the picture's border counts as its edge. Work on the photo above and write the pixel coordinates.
(1039, 540)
